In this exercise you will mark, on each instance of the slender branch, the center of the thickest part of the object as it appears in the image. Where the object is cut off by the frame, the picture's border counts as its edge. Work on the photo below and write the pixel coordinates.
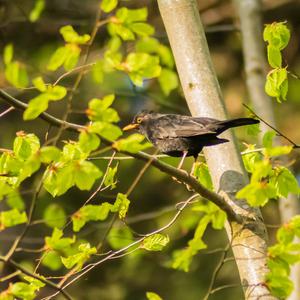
(40, 278)
(174, 172)
(112, 255)
(272, 127)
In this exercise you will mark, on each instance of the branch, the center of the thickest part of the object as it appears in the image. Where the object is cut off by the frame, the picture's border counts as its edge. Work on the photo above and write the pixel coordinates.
(42, 279)
(181, 175)
(295, 146)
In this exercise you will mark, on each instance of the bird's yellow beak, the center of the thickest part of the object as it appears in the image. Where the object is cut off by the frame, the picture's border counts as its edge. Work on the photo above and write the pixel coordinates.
(131, 126)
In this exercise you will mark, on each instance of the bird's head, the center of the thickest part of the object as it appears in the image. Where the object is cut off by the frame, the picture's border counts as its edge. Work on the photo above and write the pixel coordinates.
(139, 121)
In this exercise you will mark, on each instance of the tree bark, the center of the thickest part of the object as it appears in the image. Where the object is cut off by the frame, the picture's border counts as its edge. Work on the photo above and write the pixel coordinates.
(250, 15)
(203, 95)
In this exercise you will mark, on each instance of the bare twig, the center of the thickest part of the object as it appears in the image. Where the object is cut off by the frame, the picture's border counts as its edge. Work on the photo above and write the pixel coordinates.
(272, 127)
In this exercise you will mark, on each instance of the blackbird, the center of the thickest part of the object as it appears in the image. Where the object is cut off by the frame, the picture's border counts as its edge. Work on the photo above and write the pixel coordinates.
(181, 136)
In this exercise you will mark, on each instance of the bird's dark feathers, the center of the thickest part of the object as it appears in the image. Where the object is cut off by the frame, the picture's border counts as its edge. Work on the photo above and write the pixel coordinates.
(174, 134)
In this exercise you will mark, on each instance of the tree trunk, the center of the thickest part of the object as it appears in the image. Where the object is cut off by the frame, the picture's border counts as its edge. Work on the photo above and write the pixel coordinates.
(203, 95)
(250, 15)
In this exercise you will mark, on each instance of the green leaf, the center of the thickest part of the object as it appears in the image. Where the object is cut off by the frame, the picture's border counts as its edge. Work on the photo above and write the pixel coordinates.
(117, 29)
(98, 72)
(280, 286)
(168, 81)
(56, 92)
(39, 83)
(108, 5)
(285, 182)
(274, 57)
(57, 180)
(85, 174)
(58, 58)
(277, 84)
(106, 130)
(132, 15)
(142, 66)
(77, 260)
(277, 151)
(55, 216)
(36, 106)
(57, 242)
(268, 139)
(201, 172)
(72, 57)
(99, 110)
(8, 54)
(121, 205)
(110, 179)
(120, 237)
(277, 35)
(25, 145)
(132, 144)
(12, 218)
(155, 242)
(183, 258)
(23, 291)
(48, 154)
(71, 36)
(14, 200)
(88, 141)
(257, 193)
(16, 74)
(37, 10)
(90, 213)
(153, 296)
(141, 29)
(51, 260)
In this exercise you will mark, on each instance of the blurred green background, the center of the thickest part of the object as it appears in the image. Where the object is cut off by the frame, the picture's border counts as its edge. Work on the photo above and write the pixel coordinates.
(154, 198)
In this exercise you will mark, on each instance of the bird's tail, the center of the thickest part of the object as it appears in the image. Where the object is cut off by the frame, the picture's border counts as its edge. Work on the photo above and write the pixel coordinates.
(236, 123)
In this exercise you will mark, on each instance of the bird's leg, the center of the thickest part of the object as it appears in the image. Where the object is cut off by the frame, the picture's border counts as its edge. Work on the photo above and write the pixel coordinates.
(180, 164)
(182, 159)
(194, 166)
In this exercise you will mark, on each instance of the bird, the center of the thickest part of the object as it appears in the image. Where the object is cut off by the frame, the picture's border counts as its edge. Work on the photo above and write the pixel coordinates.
(180, 135)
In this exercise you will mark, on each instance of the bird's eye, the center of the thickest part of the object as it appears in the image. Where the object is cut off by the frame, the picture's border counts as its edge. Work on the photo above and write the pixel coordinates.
(139, 120)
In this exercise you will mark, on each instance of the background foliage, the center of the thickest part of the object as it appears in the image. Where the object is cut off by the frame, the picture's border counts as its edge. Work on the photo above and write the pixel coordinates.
(88, 201)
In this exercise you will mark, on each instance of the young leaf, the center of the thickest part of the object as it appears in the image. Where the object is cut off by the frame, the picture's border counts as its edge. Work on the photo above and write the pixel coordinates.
(25, 145)
(277, 35)
(37, 10)
(108, 5)
(110, 179)
(48, 154)
(55, 216)
(168, 81)
(36, 106)
(8, 53)
(12, 218)
(106, 130)
(132, 144)
(90, 213)
(277, 84)
(119, 237)
(153, 296)
(77, 260)
(85, 174)
(155, 242)
(201, 172)
(88, 141)
(71, 36)
(121, 205)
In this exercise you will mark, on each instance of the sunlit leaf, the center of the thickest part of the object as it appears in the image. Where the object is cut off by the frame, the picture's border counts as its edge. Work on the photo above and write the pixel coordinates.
(155, 242)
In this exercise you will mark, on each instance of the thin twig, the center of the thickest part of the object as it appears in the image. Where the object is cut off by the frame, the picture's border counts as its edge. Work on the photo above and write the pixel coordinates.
(272, 127)
(122, 250)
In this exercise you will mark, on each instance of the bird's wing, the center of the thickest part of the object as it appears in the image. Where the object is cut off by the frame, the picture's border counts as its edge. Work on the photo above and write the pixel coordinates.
(184, 127)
